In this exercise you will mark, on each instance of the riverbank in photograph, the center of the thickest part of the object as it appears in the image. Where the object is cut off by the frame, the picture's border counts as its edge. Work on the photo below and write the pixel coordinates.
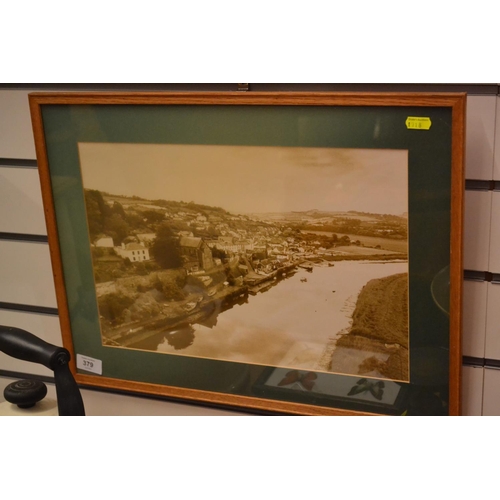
(377, 341)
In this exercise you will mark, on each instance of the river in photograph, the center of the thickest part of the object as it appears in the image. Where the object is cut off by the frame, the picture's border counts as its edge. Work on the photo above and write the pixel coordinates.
(288, 325)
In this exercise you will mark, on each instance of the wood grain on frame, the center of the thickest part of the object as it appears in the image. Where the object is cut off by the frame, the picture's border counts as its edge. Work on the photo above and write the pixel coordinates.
(456, 251)
(257, 98)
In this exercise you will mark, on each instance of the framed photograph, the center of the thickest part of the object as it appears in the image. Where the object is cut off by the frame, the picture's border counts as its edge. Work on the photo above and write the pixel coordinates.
(291, 253)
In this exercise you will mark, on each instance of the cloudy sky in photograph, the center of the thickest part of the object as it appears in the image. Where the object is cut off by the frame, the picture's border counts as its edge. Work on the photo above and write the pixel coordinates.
(244, 179)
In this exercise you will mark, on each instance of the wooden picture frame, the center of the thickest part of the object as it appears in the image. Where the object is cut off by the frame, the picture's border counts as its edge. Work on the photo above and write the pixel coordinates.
(277, 269)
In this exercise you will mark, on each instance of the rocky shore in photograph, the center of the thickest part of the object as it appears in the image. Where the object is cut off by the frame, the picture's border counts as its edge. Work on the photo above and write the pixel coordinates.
(377, 342)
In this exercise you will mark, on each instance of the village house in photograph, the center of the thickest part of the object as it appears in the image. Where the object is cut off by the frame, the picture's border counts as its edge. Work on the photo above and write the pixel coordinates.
(134, 252)
(104, 242)
(196, 254)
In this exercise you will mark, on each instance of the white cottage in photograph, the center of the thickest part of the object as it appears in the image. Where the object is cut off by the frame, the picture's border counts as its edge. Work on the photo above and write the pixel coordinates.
(104, 242)
(135, 252)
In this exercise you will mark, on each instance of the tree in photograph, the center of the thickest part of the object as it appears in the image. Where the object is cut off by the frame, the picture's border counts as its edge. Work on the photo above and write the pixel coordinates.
(135, 221)
(117, 228)
(111, 306)
(345, 240)
(165, 248)
(212, 232)
(153, 217)
(331, 241)
(117, 208)
(96, 212)
(105, 220)
(218, 253)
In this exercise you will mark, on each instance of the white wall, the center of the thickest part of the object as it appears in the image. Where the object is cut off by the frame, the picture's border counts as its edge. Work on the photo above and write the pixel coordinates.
(26, 280)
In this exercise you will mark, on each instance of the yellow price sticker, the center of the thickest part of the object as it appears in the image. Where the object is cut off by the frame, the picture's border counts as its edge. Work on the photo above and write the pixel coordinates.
(418, 123)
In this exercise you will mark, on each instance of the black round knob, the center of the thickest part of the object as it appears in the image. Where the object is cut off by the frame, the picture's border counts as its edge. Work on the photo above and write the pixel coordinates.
(25, 393)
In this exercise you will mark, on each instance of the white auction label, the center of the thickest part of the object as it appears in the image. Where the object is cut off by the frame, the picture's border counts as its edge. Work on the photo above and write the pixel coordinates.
(89, 364)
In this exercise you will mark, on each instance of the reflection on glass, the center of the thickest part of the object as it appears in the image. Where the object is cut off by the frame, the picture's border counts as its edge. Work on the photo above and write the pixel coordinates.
(301, 380)
(180, 339)
(440, 290)
(375, 388)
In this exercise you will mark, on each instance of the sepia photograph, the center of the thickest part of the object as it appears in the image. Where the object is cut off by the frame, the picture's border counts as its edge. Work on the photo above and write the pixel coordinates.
(291, 257)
